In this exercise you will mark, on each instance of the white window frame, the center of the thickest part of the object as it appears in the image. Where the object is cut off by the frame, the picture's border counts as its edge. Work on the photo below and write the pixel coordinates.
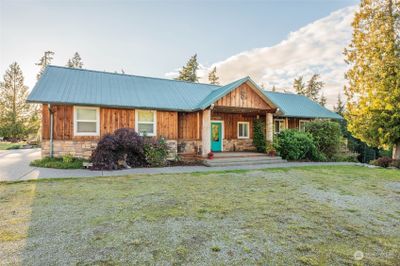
(303, 121)
(154, 123)
(76, 133)
(248, 130)
(280, 129)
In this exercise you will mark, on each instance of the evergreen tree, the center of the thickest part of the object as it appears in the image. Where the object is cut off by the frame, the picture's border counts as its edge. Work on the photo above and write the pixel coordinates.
(339, 107)
(273, 88)
(373, 94)
(322, 100)
(189, 72)
(212, 77)
(314, 86)
(44, 61)
(17, 118)
(75, 61)
(299, 85)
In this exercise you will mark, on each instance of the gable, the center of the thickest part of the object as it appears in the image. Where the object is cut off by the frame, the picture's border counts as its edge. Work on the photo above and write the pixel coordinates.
(243, 97)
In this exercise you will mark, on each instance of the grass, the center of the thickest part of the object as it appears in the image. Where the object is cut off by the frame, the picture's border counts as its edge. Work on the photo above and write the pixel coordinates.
(303, 216)
(58, 163)
(4, 145)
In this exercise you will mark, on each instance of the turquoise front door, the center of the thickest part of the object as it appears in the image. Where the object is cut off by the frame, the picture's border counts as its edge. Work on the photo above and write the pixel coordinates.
(216, 136)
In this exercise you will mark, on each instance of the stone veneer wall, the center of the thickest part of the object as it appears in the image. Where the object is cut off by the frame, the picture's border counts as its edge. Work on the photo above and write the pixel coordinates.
(194, 146)
(84, 148)
(238, 145)
(76, 148)
(189, 146)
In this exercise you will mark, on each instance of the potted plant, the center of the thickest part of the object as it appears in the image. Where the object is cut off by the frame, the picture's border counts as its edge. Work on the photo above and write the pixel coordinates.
(270, 150)
(210, 155)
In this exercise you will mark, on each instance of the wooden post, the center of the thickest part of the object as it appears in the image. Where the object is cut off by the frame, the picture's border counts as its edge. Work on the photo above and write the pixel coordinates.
(269, 127)
(206, 133)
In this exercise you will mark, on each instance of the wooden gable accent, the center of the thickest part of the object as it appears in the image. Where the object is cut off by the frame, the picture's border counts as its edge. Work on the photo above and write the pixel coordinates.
(243, 97)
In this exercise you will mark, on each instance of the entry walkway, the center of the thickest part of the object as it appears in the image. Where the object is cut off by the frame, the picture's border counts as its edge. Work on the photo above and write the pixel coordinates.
(14, 166)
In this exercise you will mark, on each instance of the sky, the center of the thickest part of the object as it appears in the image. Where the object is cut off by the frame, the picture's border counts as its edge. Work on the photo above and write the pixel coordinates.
(271, 41)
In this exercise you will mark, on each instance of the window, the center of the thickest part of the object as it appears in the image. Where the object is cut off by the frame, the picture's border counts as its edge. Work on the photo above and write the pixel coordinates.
(243, 130)
(279, 125)
(86, 121)
(146, 122)
(302, 124)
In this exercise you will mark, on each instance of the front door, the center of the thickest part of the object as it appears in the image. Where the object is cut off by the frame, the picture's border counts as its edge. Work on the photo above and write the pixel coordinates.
(216, 136)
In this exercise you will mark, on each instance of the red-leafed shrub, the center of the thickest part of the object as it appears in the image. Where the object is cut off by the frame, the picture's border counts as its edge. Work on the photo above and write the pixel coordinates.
(123, 148)
(382, 162)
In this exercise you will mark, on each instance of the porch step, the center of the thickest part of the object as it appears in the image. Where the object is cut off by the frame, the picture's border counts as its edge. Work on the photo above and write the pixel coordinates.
(242, 160)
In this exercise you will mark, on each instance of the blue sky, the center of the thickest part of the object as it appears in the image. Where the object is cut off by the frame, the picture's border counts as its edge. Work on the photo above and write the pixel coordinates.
(147, 37)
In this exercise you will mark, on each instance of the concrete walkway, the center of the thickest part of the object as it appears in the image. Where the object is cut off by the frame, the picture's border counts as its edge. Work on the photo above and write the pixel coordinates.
(14, 166)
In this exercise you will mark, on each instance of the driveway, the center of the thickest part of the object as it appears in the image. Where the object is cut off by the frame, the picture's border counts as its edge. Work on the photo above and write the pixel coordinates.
(14, 166)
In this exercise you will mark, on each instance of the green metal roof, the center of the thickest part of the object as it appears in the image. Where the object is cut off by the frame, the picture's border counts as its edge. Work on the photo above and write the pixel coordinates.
(63, 85)
(294, 105)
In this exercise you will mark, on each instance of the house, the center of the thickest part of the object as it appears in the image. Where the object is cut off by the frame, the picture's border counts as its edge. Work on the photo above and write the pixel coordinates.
(80, 106)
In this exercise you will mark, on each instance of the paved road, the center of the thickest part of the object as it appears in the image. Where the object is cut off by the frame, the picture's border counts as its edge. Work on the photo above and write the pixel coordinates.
(14, 166)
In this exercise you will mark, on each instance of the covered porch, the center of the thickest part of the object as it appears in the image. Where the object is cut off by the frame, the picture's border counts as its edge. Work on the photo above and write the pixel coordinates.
(228, 130)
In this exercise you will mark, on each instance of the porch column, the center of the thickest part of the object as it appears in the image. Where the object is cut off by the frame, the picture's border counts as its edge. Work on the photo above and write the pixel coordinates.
(206, 133)
(269, 131)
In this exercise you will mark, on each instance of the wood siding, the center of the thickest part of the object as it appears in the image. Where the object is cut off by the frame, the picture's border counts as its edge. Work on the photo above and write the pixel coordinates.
(231, 123)
(110, 120)
(243, 96)
(190, 125)
(167, 124)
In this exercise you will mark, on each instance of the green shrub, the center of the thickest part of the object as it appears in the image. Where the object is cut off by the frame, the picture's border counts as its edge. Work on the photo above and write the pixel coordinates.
(259, 135)
(58, 163)
(296, 145)
(156, 152)
(68, 158)
(326, 136)
(345, 157)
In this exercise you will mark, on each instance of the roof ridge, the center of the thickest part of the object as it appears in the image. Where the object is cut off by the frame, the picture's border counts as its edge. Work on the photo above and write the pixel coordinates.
(132, 75)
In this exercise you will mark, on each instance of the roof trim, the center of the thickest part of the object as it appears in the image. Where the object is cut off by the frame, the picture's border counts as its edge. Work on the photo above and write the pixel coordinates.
(129, 75)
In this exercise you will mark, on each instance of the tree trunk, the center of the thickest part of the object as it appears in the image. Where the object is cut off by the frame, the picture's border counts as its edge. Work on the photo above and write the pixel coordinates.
(396, 151)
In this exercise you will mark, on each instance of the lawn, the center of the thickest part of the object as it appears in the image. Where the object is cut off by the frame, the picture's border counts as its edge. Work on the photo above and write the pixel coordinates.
(4, 145)
(311, 215)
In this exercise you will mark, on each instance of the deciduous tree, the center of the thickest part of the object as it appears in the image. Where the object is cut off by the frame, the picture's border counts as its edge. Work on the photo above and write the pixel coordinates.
(373, 93)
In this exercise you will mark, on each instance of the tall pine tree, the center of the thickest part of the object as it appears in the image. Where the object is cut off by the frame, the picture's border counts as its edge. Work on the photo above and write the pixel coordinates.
(340, 106)
(373, 94)
(17, 118)
(299, 85)
(313, 88)
(75, 61)
(322, 100)
(212, 77)
(44, 61)
(189, 72)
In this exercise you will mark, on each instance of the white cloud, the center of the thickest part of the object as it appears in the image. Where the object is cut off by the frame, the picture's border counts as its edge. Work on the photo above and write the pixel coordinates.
(315, 48)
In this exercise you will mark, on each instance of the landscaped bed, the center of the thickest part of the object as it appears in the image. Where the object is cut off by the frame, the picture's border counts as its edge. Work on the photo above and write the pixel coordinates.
(310, 215)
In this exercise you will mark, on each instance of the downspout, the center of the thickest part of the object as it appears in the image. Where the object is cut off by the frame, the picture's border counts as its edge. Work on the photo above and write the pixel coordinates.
(51, 131)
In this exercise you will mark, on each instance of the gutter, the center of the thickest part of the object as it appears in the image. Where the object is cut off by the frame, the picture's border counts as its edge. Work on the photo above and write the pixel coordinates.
(51, 131)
